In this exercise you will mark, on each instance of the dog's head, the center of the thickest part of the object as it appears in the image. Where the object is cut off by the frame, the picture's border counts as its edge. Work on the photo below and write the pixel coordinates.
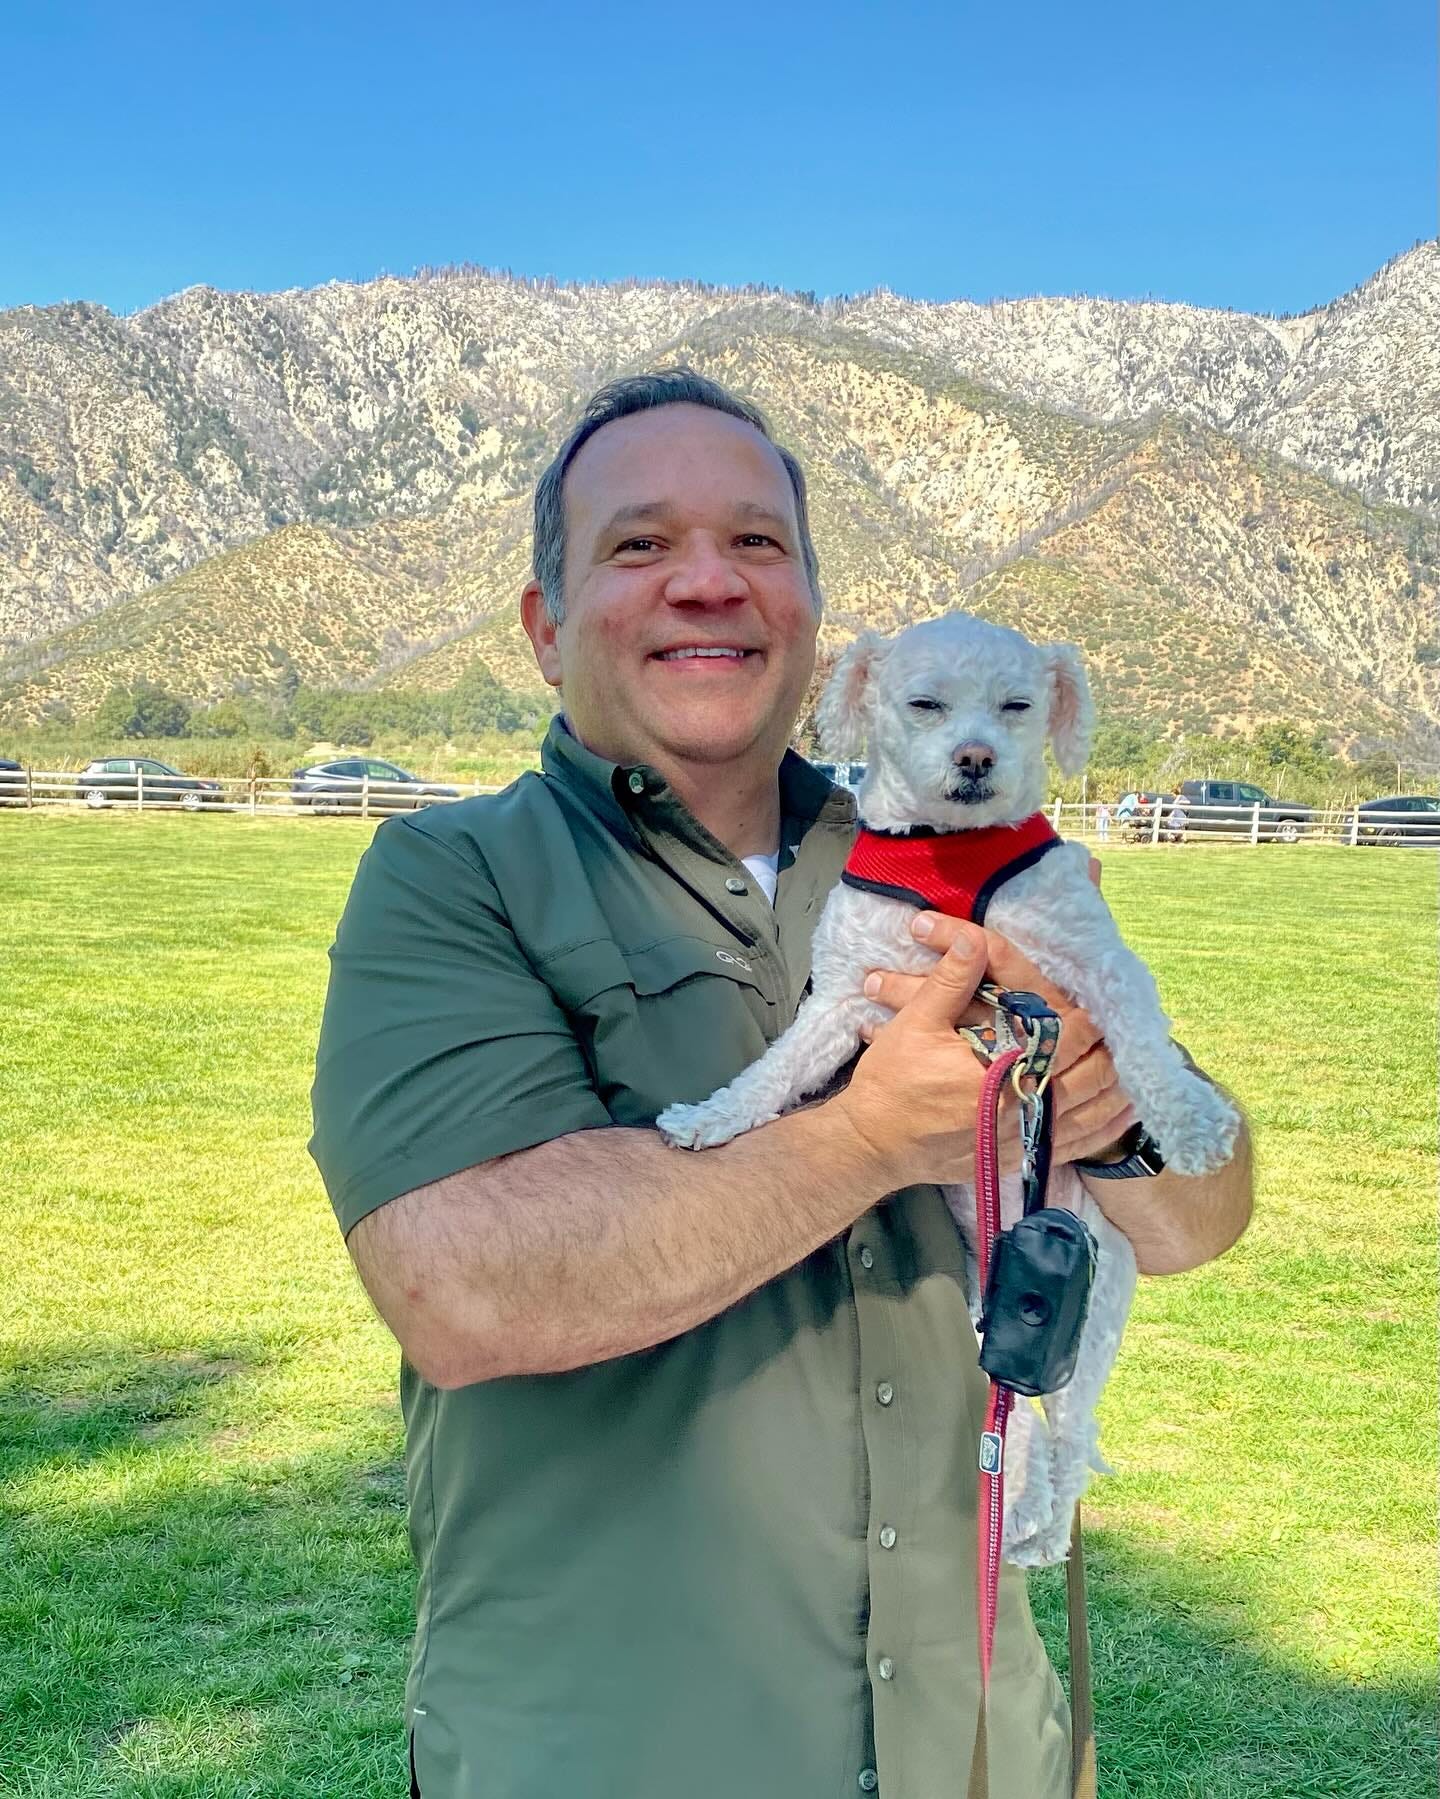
(952, 716)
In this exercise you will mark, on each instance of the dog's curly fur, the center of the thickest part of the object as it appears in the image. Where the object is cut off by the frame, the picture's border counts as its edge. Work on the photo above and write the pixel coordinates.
(914, 702)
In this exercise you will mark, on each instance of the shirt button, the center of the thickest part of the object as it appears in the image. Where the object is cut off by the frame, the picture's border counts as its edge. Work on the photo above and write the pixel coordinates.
(887, 1536)
(734, 885)
(884, 1392)
(637, 782)
(867, 1257)
(885, 1668)
(869, 1780)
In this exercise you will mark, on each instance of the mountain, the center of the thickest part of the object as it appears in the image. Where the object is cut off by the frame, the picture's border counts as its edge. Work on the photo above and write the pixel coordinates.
(1234, 515)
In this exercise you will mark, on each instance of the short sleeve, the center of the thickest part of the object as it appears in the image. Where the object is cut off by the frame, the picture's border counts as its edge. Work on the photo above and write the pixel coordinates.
(440, 1045)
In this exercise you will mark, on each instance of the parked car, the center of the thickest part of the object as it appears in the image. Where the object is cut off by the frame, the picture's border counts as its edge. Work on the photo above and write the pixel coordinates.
(1229, 806)
(128, 779)
(1404, 818)
(12, 782)
(843, 774)
(350, 782)
(1135, 813)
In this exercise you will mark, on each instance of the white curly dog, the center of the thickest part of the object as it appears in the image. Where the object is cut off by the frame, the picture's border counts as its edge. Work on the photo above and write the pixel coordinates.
(953, 715)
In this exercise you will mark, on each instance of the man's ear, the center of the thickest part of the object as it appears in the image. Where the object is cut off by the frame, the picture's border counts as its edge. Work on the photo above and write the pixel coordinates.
(1072, 711)
(541, 630)
(847, 707)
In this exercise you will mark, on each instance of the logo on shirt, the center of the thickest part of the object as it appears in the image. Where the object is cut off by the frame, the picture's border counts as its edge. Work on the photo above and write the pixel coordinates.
(723, 955)
(991, 1452)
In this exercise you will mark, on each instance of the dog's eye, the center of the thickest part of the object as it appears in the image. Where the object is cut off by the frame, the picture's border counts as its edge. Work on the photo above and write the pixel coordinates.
(1016, 706)
(926, 706)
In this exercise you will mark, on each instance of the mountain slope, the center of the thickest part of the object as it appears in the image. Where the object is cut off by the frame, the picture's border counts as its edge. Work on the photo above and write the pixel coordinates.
(233, 491)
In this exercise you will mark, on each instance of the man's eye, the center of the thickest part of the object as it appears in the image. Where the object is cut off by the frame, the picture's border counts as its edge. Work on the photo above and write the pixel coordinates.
(1016, 706)
(644, 544)
(926, 706)
(759, 537)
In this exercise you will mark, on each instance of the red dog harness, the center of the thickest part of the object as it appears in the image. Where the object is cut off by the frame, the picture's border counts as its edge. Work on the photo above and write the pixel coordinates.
(955, 872)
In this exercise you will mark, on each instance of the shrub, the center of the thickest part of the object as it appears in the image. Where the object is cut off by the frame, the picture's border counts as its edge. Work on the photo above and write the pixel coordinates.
(142, 710)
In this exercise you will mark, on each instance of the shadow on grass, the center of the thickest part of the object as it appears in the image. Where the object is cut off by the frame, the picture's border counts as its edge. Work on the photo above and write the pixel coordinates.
(208, 1627)
(70, 1409)
(1192, 1703)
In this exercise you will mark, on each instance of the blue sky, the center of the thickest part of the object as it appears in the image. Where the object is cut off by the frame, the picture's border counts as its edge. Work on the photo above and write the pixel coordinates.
(1265, 156)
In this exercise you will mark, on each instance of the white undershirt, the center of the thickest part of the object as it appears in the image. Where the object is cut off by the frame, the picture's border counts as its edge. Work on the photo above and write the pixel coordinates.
(766, 870)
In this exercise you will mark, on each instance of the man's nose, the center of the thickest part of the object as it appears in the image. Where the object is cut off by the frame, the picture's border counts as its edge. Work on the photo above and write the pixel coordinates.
(973, 759)
(703, 575)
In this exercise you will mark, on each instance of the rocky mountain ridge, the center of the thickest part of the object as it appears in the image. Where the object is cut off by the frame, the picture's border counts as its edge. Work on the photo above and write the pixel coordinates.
(333, 482)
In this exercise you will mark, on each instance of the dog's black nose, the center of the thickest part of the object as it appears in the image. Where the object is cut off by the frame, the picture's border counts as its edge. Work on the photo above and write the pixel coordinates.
(974, 760)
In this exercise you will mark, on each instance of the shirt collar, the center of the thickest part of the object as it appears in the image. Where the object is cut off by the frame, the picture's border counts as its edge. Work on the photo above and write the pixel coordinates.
(621, 790)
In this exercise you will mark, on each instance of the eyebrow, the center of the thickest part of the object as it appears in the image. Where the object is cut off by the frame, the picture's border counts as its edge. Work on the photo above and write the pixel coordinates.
(751, 511)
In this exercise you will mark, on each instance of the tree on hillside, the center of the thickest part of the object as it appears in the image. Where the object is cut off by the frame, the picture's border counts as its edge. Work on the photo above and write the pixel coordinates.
(1283, 745)
(478, 702)
(141, 710)
(226, 718)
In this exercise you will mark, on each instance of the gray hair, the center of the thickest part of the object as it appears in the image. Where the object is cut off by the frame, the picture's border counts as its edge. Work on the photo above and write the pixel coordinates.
(619, 399)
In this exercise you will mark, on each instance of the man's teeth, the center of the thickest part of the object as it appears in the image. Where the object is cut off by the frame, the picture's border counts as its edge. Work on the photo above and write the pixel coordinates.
(683, 655)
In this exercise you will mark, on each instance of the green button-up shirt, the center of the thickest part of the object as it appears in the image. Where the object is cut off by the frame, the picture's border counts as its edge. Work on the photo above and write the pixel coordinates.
(742, 1561)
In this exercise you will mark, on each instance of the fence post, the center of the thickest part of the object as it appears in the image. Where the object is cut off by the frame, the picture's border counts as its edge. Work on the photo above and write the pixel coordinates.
(140, 787)
(1155, 811)
(1055, 821)
(252, 794)
(1255, 823)
(1354, 825)
(365, 794)
(30, 788)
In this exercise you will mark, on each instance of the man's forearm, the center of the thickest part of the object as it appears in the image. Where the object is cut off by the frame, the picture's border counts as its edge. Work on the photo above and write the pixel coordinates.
(1176, 1222)
(604, 1242)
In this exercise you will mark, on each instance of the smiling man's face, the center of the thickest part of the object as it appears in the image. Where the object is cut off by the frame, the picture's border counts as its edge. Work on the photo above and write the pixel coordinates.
(681, 537)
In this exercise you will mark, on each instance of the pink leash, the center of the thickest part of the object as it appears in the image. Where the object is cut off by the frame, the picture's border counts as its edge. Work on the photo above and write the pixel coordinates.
(991, 1511)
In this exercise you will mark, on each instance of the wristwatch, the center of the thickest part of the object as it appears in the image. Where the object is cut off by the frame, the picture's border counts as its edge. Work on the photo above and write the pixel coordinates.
(1139, 1155)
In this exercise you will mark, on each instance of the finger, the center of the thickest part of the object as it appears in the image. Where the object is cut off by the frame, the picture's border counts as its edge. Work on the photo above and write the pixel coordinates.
(1090, 1076)
(1012, 968)
(891, 989)
(938, 930)
(950, 985)
(895, 991)
(1079, 1038)
(1098, 1140)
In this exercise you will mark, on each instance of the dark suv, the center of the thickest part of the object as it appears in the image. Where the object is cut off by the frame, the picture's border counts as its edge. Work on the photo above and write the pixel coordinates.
(358, 783)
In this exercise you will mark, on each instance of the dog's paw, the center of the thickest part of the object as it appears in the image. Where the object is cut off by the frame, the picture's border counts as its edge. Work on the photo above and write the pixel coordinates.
(703, 1126)
(1196, 1128)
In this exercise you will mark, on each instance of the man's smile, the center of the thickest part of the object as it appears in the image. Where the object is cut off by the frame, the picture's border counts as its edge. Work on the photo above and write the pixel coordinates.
(710, 658)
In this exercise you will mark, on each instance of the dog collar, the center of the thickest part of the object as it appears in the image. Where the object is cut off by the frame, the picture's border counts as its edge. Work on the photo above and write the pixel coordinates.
(955, 872)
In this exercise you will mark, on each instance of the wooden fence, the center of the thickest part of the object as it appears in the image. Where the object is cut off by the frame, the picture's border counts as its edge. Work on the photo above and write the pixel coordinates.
(1152, 827)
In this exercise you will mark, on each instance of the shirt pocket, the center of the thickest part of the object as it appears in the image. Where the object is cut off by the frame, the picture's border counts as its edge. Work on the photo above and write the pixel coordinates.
(668, 1021)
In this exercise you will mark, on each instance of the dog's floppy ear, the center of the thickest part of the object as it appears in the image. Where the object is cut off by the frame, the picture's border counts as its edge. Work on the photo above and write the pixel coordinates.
(842, 719)
(1072, 711)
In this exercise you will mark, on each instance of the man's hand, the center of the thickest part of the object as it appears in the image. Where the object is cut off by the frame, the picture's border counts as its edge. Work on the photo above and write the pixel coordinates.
(915, 1092)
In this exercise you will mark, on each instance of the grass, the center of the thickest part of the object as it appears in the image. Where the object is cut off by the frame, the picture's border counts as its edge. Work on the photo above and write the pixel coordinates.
(205, 1588)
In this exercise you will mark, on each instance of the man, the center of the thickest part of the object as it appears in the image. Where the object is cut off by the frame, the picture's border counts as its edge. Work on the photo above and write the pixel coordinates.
(691, 1439)
(1176, 820)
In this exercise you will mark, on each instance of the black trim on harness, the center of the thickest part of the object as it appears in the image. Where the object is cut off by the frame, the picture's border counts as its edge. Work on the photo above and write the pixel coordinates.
(908, 894)
(1027, 859)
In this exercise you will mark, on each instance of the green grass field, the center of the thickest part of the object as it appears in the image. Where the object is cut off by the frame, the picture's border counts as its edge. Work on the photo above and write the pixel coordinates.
(205, 1588)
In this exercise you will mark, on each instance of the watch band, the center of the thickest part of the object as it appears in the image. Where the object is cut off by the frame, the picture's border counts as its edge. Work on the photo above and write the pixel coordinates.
(1141, 1157)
